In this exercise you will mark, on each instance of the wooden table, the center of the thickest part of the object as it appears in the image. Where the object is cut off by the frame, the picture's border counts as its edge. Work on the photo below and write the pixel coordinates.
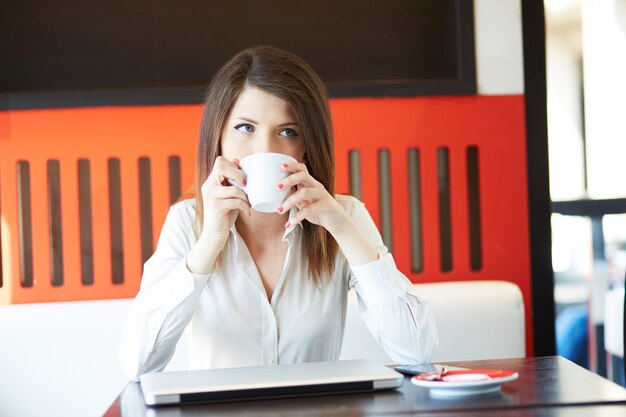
(547, 386)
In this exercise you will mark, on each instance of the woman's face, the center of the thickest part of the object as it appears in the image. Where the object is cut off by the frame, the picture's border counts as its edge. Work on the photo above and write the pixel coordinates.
(261, 122)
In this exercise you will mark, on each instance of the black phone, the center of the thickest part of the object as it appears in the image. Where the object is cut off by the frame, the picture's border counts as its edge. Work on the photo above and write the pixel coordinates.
(425, 368)
(411, 370)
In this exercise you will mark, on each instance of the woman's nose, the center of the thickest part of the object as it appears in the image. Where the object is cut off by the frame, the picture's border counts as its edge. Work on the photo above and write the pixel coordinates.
(266, 143)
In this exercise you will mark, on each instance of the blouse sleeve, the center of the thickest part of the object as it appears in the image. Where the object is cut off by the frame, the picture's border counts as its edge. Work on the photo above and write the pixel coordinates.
(166, 300)
(399, 319)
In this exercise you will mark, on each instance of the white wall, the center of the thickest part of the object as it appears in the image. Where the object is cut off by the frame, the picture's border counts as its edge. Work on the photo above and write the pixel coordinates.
(499, 47)
(564, 85)
(604, 50)
(586, 44)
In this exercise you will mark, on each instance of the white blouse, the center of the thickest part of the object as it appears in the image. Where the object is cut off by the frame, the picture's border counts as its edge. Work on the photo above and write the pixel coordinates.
(230, 322)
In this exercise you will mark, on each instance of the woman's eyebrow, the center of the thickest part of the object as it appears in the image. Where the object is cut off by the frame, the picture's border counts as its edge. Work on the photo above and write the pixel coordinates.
(245, 119)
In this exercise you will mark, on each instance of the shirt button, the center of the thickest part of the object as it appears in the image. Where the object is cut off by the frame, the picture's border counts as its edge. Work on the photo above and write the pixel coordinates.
(270, 361)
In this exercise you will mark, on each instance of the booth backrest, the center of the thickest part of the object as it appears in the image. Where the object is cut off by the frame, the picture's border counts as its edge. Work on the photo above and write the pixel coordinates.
(60, 359)
(475, 320)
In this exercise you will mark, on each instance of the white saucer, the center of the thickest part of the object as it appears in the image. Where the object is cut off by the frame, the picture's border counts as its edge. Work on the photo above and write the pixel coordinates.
(465, 383)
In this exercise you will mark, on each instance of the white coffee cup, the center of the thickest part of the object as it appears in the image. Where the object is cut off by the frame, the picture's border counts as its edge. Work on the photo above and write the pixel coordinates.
(263, 172)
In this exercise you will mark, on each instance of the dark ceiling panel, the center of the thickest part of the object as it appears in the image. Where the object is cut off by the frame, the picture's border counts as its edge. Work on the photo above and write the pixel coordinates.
(75, 46)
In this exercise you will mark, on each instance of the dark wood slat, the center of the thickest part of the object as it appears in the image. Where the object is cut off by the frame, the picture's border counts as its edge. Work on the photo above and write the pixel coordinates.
(86, 221)
(145, 208)
(56, 229)
(415, 210)
(445, 217)
(473, 205)
(25, 225)
(354, 165)
(115, 221)
(384, 189)
(174, 178)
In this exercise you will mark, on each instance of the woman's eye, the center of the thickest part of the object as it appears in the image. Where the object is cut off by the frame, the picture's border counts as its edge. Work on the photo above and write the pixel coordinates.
(289, 133)
(245, 127)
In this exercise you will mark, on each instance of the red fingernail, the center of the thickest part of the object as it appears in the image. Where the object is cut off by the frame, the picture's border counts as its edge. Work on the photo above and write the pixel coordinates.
(244, 181)
(280, 209)
(280, 186)
(285, 166)
(287, 225)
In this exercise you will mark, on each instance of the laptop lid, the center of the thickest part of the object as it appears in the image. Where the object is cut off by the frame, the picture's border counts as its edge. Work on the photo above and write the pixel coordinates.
(262, 382)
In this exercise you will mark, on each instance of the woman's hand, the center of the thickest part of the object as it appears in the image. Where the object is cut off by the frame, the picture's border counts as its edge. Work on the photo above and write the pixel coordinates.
(317, 206)
(222, 202)
(314, 203)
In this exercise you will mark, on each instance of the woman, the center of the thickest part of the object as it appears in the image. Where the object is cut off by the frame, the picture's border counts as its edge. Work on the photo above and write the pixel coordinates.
(252, 288)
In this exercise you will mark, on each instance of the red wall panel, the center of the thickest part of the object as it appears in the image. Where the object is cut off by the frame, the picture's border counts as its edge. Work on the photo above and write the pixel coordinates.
(494, 124)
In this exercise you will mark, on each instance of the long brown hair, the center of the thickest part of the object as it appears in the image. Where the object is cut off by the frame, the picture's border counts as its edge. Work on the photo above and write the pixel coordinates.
(286, 76)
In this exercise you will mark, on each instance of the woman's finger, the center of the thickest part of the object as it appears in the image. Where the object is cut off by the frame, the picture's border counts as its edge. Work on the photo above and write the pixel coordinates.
(299, 178)
(304, 194)
(224, 169)
(229, 191)
(303, 214)
(294, 167)
(302, 204)
(230, 204)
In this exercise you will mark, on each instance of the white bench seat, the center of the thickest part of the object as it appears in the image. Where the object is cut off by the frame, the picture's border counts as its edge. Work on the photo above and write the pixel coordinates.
(60, 359)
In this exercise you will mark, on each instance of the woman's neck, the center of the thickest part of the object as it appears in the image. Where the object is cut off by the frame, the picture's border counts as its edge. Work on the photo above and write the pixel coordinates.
(261, 227)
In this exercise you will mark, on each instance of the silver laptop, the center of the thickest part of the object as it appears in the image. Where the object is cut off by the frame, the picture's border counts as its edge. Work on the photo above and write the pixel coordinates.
(262, 382)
